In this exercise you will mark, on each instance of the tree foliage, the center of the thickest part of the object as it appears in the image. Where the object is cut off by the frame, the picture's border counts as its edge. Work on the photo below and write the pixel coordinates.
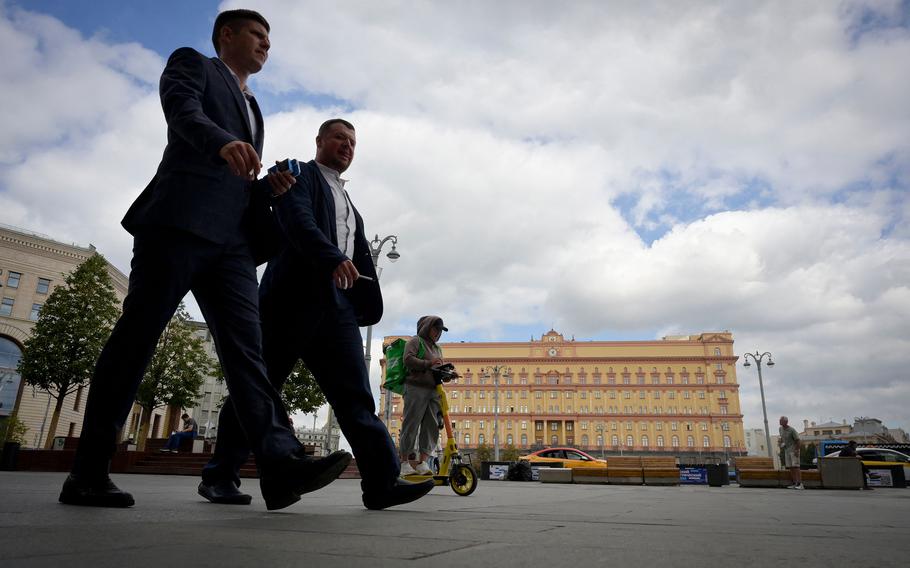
(176, 372)
(482, 453)
(509, 453)
(71, 330)
(12, 430)
(301, 393)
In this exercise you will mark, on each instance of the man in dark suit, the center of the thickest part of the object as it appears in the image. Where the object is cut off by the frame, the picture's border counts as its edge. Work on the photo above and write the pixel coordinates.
(313, 298)
(193, 229)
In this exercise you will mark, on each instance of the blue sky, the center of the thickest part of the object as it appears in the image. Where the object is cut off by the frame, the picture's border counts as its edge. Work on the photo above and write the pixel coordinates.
(611, 170)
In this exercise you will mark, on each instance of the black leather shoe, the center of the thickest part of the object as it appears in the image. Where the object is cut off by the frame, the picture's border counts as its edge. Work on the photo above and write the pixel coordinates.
(402, 492)
(224, 493)
(100, 492)
(283, 482)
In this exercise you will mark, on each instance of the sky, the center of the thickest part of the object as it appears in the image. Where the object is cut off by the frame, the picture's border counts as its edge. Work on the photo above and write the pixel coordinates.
(612, 170)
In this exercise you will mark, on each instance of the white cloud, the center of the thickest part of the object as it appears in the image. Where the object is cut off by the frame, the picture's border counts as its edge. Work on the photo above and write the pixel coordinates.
(765, 143)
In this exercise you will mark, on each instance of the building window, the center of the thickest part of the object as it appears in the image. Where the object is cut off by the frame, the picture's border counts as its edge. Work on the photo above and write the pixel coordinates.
(480, 438)
(660, 441)
(705, 442)
(615, 440)
(538, 394)
(690, 441)
(6, 306)
(467, 424)
(524, 424)
(538, 426)
(674, 441)
(674, 426)
(481, 394)
(584, 440)
(630, 442)
(78, 398)
(509, 439)
(524, 439)
(669, 379)
(641, 395)
(12, 279)
(726, 441)
(467, 439)
(612, 395)
(480, 424)
(723, 409)
(644, 441)
(660, 426)
(720, 379)
(554, 426)
(43, 286)
(36, 309)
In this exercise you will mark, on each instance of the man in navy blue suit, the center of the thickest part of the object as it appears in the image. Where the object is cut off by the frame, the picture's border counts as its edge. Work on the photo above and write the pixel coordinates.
(196, 228)
(313, 298)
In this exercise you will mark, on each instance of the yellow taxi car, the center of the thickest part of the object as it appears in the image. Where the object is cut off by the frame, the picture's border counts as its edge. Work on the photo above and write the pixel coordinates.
(568, 457)
(881, 457)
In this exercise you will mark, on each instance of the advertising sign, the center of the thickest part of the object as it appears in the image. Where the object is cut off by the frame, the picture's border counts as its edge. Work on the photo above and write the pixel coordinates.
(693, 476)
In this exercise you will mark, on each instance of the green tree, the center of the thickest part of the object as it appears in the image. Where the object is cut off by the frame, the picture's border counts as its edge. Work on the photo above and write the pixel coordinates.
(75, 322)
(807, 453)
(481, 454)
(510, 453)
(176, 372)
(301, 393)
(12, 430)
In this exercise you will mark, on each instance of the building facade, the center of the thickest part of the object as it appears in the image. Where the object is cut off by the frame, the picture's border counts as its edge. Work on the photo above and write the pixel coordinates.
(675, 396)
(31, 267)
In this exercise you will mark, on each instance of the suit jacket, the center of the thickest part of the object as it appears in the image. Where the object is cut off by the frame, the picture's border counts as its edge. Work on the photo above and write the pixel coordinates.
(193, 189)
(298, 279)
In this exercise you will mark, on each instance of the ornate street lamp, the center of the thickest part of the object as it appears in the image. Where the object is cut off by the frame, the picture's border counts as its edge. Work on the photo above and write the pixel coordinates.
(375, 249)
(758, 359)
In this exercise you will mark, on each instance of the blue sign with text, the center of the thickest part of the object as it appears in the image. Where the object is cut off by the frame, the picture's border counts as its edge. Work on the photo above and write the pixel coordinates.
(693, 476)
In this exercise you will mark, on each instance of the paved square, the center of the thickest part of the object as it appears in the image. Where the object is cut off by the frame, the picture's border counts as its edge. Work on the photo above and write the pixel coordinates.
(501, 524)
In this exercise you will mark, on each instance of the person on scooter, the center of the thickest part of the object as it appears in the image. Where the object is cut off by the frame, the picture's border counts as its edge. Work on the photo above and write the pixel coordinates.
(421, 401)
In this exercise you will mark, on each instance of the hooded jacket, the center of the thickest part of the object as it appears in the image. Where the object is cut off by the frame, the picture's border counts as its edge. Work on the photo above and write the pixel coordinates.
(419, 373)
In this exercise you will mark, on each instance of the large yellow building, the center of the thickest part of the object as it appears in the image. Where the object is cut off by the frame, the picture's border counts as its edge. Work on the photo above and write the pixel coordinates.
(677, 396)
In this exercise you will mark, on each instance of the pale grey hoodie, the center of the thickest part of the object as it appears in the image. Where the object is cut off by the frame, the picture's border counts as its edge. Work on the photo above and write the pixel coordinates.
(419, 373)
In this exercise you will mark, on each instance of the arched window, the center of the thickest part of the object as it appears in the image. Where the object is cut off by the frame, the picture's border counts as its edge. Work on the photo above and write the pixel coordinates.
(509, 439)
(10, 354)
(690, 441)
(554, 440)
(615, 440)
(600, 440)
(727, 441)
(630, 442)
(480, 438)
(660, 441)
(524, 440)
(467, 439)
(706, 442)
(584, 440)
(674, 441)
(644, 441)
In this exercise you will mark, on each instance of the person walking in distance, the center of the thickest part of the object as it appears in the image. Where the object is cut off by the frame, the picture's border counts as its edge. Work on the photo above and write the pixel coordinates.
(789, 442)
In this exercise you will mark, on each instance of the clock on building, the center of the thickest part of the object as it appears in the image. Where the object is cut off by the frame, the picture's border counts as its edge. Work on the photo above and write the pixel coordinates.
(552, 352)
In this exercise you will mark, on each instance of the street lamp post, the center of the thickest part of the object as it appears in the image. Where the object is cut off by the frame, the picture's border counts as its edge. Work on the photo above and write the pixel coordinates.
(758, 359)
(496, 371)
(375, 249)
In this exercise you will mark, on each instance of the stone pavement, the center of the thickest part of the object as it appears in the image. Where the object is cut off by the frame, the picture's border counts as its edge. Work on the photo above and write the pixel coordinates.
(501, 524)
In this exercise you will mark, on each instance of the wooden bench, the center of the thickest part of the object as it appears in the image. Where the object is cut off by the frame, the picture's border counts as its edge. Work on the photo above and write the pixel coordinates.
(625, 470)
(660, 470)
(589, 475)
(752, 471)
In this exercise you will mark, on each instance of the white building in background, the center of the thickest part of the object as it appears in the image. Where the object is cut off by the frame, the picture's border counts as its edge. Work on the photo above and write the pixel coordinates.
(323, 440)
(756, 443)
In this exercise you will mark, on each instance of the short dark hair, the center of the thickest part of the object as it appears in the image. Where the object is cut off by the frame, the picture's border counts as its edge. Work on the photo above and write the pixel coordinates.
(232, 18)
(184, 415)
(328, 124)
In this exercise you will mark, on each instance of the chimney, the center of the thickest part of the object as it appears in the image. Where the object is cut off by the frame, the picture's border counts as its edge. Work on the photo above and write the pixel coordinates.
(805, 425)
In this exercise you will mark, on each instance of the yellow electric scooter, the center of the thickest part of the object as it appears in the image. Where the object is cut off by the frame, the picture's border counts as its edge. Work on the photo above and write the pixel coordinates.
(460, 476)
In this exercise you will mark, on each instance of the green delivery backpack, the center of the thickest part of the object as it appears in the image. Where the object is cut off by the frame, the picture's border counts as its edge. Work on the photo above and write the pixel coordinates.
(395, 370)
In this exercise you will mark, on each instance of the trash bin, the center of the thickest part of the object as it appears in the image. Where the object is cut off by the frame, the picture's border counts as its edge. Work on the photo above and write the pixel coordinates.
(9, 457)
(718, 474)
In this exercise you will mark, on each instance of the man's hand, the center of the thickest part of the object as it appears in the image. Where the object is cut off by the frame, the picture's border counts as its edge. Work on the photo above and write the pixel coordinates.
(241, 158)
(281, 182)
(345, 275)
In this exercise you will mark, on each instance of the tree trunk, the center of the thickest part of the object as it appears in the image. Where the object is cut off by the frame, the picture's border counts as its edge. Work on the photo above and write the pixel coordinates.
(144, 426)
(52, 430)
(172, 420)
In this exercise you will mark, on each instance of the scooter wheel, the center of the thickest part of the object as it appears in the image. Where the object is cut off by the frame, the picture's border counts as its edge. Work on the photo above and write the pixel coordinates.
(463, 480)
